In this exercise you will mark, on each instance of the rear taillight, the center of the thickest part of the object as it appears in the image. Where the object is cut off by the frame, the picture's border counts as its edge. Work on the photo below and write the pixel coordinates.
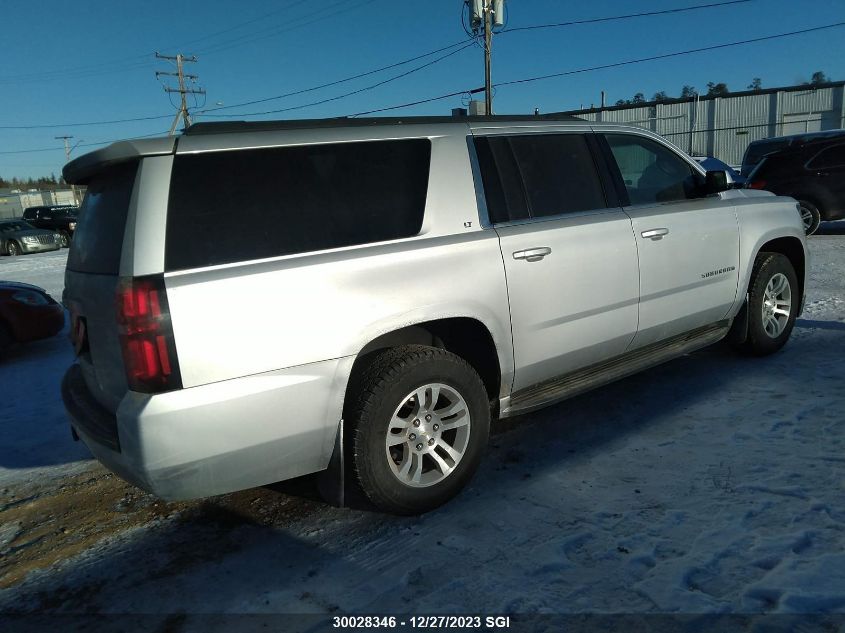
(756, 184)
(146, 335)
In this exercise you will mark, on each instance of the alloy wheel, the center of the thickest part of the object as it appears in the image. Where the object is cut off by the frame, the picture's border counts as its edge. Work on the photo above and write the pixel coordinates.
(428, 435)
(777, 305)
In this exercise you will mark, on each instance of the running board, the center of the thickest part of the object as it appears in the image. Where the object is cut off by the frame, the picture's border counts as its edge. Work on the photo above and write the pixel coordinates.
(546, 393)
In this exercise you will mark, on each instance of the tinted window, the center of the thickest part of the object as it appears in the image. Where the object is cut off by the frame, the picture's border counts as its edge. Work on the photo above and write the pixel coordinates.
(651, 172)
(503, 189)
(249, 204)
(833, 156)
(98, 239)
(538, 175)
(558, 172)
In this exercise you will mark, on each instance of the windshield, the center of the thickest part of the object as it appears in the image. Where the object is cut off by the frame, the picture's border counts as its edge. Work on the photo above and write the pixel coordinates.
(10, 227)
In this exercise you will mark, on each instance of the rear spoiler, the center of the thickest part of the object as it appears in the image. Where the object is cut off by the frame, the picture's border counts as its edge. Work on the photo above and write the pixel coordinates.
(80, 170)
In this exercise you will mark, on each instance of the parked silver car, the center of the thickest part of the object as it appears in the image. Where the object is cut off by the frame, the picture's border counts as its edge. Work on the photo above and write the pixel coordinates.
(296, 295)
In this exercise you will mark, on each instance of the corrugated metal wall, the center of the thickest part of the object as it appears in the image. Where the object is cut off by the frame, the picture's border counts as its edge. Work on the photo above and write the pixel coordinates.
(724, 126)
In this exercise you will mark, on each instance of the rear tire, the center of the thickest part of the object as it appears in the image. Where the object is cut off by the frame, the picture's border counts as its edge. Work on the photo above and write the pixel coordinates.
(419, 424)
(773, 302)
(810, 216)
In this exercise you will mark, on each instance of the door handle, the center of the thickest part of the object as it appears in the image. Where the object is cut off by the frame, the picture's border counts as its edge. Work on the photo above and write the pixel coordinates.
(655, 234)
(532, 254)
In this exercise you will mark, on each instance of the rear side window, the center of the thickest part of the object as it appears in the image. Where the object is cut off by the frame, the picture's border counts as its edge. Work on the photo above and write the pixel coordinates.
(98, 239)
(241, 205)
(538, 175)
(828, 158)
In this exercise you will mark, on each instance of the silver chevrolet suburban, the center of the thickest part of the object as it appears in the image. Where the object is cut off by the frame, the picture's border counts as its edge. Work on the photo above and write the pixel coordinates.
(253, 302)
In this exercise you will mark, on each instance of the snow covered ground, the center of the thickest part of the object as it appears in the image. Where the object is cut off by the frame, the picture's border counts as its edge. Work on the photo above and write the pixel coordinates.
(712, 484)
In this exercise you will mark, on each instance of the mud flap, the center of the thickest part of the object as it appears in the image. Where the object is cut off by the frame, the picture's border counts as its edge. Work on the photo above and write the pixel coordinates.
(739, 328)
(332, 482)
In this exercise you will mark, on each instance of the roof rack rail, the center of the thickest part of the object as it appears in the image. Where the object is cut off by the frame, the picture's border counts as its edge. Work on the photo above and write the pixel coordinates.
(220, 127)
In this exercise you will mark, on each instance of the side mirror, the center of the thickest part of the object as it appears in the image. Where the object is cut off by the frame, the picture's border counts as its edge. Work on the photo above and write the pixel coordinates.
(714, 182)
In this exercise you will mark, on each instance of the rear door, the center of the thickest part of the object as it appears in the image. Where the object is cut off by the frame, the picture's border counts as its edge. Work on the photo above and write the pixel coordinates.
(91, 280)
(688, 245)
(569, 252)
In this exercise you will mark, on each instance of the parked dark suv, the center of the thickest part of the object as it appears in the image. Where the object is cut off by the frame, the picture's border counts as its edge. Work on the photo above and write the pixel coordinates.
(757, 149)
(812, 172)
(58, 218)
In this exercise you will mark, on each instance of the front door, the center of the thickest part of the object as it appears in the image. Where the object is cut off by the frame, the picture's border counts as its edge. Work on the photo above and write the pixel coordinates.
(688, 245)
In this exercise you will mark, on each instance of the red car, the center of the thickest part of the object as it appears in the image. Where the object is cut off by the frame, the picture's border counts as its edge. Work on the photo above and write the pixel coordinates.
(27, 313)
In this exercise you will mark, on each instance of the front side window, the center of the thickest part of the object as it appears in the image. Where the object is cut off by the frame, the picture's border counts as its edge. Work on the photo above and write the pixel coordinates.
(241, 205)
(538, 175)
(651, 172)
(828, 158)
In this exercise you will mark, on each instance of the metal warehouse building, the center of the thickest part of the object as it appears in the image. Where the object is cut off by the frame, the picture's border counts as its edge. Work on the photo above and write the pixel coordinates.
(724, 126)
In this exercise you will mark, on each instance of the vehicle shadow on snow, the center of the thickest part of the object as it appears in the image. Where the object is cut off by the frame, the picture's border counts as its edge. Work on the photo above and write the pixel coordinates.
(34, 430)
(259, 546)
(822, 325)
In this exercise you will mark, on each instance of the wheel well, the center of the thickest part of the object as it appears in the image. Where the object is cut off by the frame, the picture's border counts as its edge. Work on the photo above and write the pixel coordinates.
(792, 249)
(463, 336)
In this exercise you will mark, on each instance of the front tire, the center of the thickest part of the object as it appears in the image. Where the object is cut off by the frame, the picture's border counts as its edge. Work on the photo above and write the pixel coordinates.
(773, 301)
(65, 243)
(810, 216)
(13, 249)
(419, 425)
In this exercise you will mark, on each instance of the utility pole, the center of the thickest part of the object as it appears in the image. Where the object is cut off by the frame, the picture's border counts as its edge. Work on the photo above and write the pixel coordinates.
(487, 13)
(488, 45)
(68, 150)
(181, 76)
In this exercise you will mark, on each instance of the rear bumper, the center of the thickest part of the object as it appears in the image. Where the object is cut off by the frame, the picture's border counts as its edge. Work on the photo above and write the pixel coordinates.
(216, 438)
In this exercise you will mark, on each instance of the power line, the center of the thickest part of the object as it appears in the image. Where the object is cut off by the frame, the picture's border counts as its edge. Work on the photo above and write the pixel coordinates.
(668, 55)
(336, 82)
(85, 123)
(92, 144)
(333, 83)
(436, 98)
(594, 68)
(137, 62)
(624, 17)
(353, 92)
(274, 31)
(246, 103)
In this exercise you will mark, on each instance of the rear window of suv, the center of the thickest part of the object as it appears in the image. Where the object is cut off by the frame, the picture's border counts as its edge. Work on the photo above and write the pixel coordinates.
(98, 239)
(240, 205)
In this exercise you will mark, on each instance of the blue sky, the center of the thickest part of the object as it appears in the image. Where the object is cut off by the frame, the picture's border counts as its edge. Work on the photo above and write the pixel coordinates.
(92, 60)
